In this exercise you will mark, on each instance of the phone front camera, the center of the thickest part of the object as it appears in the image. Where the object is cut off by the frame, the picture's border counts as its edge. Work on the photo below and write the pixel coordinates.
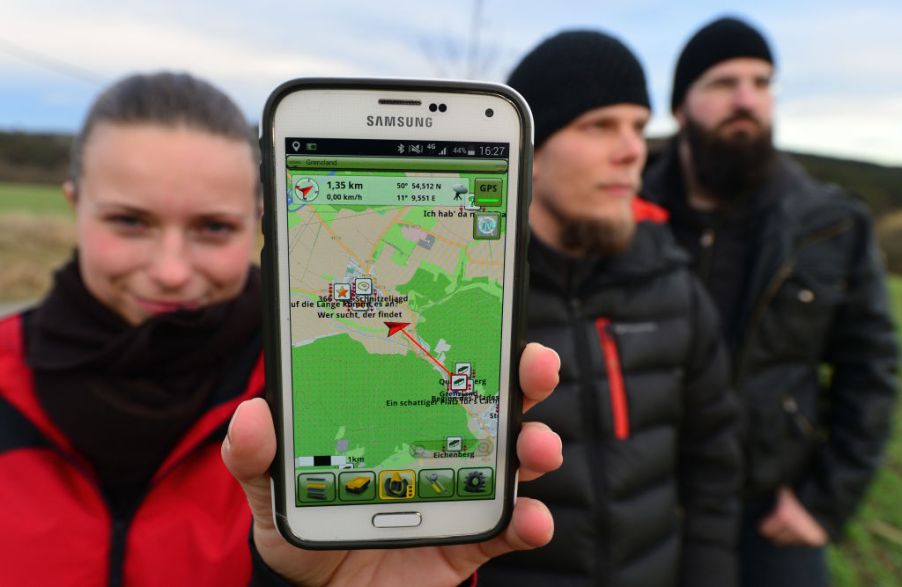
(442, 107)
(489, 113)
(433, 107)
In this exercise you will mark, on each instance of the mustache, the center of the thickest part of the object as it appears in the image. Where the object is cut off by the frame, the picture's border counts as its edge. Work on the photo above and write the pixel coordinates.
(741, 115)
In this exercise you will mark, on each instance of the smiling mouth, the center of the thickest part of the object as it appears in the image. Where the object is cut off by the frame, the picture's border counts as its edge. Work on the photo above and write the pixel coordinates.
(164, 306)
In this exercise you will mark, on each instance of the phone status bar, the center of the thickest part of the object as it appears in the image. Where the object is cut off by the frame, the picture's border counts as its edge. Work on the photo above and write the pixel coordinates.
(395, 148)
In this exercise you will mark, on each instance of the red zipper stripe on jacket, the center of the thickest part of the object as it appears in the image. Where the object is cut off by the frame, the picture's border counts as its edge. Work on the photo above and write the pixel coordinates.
(619, 408)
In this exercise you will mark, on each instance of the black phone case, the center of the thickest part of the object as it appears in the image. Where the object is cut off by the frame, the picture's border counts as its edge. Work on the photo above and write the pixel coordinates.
(271, 312)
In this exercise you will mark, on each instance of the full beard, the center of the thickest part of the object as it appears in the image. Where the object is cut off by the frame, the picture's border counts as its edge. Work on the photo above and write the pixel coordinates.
(730, 169)
(591, 236)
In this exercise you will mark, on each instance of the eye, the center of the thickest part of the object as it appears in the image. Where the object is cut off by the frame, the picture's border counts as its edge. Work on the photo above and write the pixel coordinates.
(599, 124)
(216, 230)
(128, 223)
(762, 83)
(218, 227)
(723, 83)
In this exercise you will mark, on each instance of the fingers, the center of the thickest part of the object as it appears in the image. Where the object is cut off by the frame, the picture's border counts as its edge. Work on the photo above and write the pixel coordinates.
(531, 527)
(539, 449)
(790, 524)
(248, 451)
(774, 529)
(784, 535)
(539, 368)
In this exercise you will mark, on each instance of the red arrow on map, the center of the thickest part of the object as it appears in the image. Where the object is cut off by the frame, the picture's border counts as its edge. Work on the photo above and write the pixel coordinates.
(395, 327)
(304, 191)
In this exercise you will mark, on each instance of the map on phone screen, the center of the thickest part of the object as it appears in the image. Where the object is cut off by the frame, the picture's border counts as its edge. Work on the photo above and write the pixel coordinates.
(396, 264)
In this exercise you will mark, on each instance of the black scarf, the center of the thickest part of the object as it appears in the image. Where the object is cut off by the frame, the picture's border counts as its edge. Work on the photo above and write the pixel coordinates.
(123, 394)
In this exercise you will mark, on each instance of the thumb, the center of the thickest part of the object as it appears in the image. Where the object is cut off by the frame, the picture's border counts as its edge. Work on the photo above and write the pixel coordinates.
(248, 451)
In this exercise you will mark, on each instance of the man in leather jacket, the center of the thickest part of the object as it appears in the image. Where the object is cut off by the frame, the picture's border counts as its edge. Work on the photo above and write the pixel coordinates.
(793, 268)
(648, 492)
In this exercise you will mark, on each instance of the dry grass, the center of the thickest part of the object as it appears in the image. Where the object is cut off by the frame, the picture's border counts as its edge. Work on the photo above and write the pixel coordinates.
(31, 247)
(889, 237)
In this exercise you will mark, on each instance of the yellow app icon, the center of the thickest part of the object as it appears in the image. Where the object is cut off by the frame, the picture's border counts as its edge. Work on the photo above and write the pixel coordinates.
(397, 484)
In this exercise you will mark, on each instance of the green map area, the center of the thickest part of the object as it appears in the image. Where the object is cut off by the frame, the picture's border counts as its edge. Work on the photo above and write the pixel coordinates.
(374, 396)
(359, 414)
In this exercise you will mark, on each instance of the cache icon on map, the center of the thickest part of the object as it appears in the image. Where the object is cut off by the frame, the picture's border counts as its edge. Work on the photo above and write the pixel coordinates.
(363, 286)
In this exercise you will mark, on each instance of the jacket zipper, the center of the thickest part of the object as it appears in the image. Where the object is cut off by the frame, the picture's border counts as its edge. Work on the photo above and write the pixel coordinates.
(619, 408)
(592, 410)
(707, 241)
(791, 407)
(118, 528)
(120, 522)
(773, 287)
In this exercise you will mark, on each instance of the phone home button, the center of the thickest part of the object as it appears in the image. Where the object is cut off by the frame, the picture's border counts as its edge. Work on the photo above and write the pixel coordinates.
(399, 520)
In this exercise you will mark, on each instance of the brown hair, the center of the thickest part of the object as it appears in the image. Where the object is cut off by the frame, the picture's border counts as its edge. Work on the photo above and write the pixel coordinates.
(165, 99)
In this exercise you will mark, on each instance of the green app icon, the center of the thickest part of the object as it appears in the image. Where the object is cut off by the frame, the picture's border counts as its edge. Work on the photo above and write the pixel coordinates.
(476, 482)
(436, 483)
(488, 192)
(487, 226)
(357, 486)
(316, 487)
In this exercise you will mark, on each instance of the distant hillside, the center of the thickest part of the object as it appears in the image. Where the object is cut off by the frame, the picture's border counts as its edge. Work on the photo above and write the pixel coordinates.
(34, 158)
(879, 185)
(44, 158)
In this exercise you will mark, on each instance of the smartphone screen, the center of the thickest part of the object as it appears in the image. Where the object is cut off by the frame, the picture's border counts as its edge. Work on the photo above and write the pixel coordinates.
(396, 265)
(394, 268)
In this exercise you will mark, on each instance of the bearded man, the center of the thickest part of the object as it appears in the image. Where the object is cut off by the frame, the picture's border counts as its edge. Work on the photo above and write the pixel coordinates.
(648, 492)
(795, 273)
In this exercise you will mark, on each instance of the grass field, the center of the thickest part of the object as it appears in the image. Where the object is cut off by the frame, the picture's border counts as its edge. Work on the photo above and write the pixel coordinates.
(36, 235)
(33, 199)
(871, 555)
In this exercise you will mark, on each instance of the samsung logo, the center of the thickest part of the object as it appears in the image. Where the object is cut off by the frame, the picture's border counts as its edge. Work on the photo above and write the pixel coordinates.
(399, 121)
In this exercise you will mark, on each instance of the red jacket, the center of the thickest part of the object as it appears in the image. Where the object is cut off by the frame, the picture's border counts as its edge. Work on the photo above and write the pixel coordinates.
(191, 528)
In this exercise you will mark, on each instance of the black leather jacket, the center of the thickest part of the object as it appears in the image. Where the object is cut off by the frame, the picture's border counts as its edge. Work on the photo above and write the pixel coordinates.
(648, 492)
(815, 357)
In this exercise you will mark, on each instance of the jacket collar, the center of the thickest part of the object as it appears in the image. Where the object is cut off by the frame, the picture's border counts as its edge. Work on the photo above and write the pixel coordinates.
(17, 388)
(652, 251)
(786, 210)
(788, 191)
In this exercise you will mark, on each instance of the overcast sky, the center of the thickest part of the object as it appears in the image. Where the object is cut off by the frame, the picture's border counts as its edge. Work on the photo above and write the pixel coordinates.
(839, 70)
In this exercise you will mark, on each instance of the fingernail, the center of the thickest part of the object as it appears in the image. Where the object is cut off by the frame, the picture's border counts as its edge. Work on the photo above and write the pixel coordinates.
(232, 423)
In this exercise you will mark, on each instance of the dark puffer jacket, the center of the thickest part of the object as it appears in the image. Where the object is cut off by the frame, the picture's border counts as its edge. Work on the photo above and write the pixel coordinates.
(647, 495)
(816, 357)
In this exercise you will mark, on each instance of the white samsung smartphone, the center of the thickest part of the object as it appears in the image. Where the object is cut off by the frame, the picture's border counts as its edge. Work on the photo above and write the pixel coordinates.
(394, 272)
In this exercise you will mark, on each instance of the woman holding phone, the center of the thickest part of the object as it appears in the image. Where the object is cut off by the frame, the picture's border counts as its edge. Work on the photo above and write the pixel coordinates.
(117, 390)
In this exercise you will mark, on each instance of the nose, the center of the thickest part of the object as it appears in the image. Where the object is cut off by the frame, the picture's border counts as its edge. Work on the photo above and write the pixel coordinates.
(631, 146)
(171, 268)
(747, 95)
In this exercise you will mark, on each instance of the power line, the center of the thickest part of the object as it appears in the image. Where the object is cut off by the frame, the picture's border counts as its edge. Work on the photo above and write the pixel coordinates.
(52, 63)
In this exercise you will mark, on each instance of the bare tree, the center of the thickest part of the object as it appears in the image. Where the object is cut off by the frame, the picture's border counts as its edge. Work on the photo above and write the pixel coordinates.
(468, 58)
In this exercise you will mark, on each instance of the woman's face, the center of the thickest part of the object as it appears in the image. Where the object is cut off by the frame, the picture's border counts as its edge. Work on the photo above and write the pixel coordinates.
(166, 218)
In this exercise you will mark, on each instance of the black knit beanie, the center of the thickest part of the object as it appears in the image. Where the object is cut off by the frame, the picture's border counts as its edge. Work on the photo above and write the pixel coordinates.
(723, 39)
(574, 72)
